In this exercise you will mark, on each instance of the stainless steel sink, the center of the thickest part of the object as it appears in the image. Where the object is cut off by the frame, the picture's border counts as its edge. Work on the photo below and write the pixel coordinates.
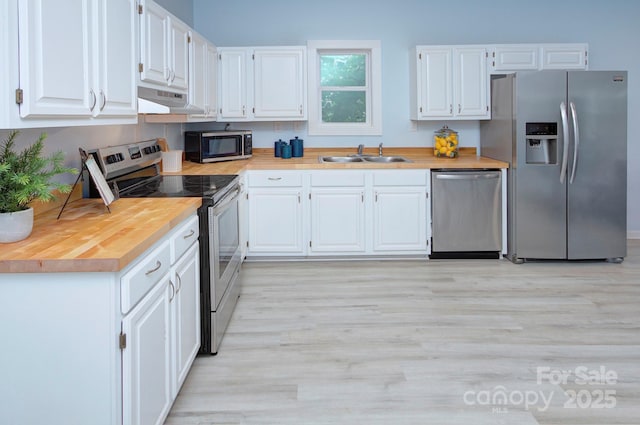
(386, 159)
(363, 158)
(340, 159)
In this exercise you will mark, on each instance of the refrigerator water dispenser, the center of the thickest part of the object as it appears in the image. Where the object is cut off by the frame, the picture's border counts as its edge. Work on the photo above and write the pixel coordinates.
(542, 143)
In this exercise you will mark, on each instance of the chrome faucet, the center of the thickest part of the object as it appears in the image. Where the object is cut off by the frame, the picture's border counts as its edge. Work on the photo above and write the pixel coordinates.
(380, 149)
(360, 149)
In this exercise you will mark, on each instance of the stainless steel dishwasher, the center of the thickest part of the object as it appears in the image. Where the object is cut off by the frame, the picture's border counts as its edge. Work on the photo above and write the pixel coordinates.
(466, 211)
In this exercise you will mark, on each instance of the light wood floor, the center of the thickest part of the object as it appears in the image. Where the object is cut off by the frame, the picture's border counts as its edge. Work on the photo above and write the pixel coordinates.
(406, 342)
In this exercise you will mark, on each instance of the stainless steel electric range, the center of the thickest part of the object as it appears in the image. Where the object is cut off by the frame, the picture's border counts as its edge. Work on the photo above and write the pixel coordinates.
(132, 171)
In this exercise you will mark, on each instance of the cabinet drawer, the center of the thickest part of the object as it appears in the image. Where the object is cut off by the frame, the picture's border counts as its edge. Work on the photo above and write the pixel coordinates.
(400, 178)
(139, 280)
(275, 179)
(338, 179)
(183, 238)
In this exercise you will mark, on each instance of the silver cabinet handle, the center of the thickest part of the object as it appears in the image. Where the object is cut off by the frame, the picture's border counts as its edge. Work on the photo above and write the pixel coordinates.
(191, 233)
(459, 108)
(244, 110)
(95, 100)
(565, 135)
(173, 291)
(576, 140)
(450, 108)
(179, 286)
(155, 269)
(274, 179)
(104, 100)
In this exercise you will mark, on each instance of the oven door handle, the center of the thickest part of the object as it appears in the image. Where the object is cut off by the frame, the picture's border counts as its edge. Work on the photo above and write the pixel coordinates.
(229, 198)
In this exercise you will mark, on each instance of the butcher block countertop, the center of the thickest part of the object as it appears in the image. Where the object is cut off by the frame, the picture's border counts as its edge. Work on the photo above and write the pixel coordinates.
(88, 238)
(422, 158)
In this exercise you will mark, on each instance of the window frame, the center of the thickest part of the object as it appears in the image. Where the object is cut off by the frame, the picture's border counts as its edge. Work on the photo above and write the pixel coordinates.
(373, 92)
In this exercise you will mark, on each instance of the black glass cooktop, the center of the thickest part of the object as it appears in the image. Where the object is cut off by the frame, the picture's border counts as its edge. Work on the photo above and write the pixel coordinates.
(206, 186)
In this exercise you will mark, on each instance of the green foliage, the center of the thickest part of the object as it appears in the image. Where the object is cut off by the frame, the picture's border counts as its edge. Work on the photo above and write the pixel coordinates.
(26, 176)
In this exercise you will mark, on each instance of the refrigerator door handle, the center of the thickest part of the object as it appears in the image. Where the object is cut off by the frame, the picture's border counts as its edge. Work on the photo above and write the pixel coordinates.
(565, 136)
(576, 138)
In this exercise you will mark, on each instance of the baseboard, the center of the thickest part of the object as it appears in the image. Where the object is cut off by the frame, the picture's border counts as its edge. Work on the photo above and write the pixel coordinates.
(633, 234)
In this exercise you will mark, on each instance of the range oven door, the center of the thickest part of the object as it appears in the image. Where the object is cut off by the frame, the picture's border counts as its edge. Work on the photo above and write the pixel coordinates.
(224, 243)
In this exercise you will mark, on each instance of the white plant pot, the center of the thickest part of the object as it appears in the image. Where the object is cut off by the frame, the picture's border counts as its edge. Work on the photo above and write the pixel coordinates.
(16, 226)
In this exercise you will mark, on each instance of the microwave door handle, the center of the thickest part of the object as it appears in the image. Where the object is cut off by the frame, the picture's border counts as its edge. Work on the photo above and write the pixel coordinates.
(565, 136)
(576, 138)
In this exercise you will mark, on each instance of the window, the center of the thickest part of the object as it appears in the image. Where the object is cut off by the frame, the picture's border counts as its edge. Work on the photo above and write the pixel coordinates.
(344, 88)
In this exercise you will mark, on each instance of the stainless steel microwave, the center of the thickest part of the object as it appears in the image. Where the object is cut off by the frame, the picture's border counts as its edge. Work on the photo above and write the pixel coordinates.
(213, 146)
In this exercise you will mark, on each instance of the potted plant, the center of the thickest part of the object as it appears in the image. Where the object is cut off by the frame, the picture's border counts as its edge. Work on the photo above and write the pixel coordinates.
(26, 176)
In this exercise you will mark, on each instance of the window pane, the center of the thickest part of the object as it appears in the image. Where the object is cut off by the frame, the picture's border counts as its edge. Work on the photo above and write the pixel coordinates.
(343, 70)
(344, 106)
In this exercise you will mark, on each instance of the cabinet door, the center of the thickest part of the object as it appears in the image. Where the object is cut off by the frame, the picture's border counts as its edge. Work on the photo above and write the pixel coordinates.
(178, 54)
(399, 219)
(232, 72)
(275, 221)
(116, 86)
(434, 82)
(198, 71)
(337, 220)
(153, 45)
(186, 315)
(279, 83)
(54, 46)
(564, 56)
(211, 77)
(512, 58)
(470, 82)
(146, 360)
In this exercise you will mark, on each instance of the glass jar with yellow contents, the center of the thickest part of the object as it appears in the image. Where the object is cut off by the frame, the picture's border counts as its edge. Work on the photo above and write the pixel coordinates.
(445, 143)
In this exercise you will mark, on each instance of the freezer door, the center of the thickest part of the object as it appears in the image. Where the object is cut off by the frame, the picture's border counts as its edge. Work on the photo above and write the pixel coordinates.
(539, 211)
(597, 202)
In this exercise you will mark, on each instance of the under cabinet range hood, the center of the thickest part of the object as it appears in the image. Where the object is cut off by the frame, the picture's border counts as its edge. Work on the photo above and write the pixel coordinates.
(155, 101)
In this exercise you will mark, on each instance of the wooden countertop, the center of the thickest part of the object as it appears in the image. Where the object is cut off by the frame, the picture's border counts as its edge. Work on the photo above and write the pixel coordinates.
(89, 239)
(422, 158)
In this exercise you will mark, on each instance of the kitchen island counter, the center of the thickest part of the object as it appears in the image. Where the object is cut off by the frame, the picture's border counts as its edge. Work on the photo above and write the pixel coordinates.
(87, 238)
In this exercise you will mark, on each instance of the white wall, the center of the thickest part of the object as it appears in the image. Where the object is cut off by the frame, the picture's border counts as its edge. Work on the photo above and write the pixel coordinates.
(609, 26)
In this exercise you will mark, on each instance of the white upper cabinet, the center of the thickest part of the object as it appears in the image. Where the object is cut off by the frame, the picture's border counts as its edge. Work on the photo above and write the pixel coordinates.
(67, 65)
(534, 57)
(517, 57)
(203, 67)
(232, 74)
(470, 83)
(116, 56)
(449, 82)
(164, 49)
(48, 32)
(262, 83)
(564, 56)
(279, 83)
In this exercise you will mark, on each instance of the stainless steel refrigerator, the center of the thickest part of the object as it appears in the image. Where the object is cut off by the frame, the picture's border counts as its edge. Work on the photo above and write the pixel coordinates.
(564, 134)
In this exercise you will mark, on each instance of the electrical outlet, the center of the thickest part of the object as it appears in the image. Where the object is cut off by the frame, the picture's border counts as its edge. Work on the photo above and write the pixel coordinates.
(413, 126)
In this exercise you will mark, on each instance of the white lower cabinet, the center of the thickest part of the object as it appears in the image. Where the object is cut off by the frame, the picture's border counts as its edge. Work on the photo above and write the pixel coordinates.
(399, 219)
(337, 220)
(337, 213)
(146, 359)
(161, 334)
(185, 310)
(337, 205)
(275, 216)
(102, 348)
